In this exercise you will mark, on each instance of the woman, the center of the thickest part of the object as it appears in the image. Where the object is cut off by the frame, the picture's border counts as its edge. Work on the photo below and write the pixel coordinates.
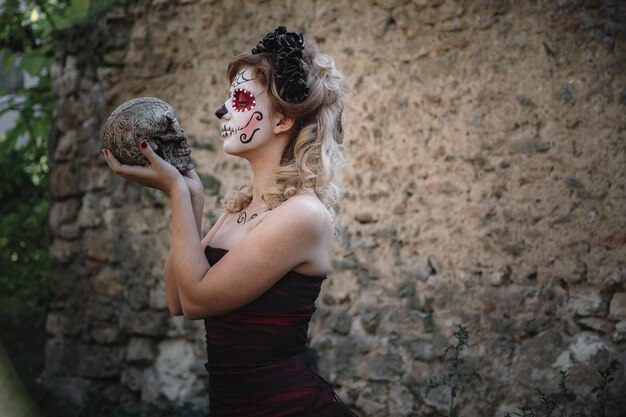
(255, 276)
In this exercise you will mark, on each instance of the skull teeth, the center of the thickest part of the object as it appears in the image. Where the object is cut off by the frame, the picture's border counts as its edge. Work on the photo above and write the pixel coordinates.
(184, 150)
(228, 131)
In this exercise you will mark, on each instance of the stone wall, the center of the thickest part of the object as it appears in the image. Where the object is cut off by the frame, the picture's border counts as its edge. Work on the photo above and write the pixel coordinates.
(486, 186)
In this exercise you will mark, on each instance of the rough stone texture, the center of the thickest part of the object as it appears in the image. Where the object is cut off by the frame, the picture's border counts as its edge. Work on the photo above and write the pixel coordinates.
(486, 186)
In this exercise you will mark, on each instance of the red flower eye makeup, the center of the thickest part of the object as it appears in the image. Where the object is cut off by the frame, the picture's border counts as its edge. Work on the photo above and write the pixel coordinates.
(243, 100)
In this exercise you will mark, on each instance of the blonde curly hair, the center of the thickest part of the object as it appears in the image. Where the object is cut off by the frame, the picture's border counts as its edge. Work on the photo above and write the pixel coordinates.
(313, 158)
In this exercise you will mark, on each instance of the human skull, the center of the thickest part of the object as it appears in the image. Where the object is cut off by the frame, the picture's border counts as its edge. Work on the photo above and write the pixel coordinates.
(151, 119)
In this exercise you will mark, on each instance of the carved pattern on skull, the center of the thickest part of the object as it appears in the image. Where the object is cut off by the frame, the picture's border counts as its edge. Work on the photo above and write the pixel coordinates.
(151, 119)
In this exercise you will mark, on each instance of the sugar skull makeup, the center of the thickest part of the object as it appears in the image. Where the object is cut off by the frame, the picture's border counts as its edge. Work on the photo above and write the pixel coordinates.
(242, 113)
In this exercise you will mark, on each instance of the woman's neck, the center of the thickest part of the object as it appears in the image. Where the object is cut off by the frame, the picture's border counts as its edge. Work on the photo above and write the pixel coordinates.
(263, 179)
(264, 164)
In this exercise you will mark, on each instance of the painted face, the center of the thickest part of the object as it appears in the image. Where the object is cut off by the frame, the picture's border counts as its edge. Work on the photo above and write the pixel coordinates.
(244, 116)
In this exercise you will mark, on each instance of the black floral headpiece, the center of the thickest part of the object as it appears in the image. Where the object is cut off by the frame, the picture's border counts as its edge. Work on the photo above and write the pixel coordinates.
(288, 64)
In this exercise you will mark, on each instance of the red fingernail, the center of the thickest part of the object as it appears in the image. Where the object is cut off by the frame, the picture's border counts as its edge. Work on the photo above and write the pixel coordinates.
(144, 144)
(106, 152)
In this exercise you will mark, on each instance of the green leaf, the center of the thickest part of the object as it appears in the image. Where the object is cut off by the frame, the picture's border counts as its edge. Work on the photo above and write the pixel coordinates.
(34, 62)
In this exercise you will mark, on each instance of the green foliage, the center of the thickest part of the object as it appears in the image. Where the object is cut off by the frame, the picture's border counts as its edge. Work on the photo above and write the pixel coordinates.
(26, 30)
(456, 376)
(606, 377)
(559, 403)
(562, 402)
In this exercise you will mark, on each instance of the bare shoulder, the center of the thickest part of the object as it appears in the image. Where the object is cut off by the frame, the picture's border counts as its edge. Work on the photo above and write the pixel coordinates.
(306, 213)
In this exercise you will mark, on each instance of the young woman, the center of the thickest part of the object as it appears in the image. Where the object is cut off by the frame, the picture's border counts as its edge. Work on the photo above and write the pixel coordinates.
(255, 276)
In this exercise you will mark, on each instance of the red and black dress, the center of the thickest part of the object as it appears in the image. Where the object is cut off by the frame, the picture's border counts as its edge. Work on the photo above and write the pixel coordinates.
(256, 361)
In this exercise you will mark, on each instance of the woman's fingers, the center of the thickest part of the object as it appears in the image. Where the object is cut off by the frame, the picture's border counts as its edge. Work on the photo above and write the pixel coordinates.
(192, 174)
(149, 153)
(123, 170)
(159, 174)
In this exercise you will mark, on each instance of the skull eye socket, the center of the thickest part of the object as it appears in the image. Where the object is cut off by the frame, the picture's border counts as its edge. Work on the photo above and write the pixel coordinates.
(243, 100)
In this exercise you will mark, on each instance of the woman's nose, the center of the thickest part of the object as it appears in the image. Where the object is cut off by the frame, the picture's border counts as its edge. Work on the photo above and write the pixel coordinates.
(221, 112)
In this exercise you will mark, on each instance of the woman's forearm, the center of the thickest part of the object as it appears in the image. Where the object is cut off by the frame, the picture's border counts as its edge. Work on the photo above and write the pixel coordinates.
(171, 289)
(188, 261)
(197, 204)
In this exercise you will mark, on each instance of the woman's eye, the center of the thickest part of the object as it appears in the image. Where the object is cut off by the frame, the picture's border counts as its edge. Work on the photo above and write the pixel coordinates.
(243, 100)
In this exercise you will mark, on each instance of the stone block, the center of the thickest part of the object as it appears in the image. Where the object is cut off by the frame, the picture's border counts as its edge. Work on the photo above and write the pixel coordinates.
(619, 334)
(400, 400)
(369, 400)
(580, 351)
(370, 319)
(421, 350)
(406, 289)
(147, 323)
(62, 212)
(108, 75)
(587, 302)
(141, 350)
(106, 335)
(69, 231)
(96, 361)
(137, 297)
(101, 312)
(541, 349)
(337, 359)
(115, 58)
(335, 298)
(107, 283)
(64, 181)
(174, 368)
(387, 367)
(597, 324)
(340, 321)
(157, 299)
(100, 246)
(93, 178)
(145, 220)
(55, 73)
(90, 214)
(64, 251)
(132, 378)
(59, 323)
(66, 147)
(70, 76)
(344, 264)
(618, 306)
(73, 389)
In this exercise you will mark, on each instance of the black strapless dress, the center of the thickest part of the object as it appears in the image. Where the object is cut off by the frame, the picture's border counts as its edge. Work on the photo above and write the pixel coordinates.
(256, 361)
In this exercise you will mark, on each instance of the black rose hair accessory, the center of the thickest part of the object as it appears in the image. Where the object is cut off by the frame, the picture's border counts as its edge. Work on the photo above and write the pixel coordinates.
(288, 64)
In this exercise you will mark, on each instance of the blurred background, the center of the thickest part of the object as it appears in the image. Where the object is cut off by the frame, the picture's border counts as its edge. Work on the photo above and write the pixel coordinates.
(486, 187)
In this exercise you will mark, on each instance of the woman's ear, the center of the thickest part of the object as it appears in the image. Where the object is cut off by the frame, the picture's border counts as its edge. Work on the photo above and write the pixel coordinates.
(283, 124)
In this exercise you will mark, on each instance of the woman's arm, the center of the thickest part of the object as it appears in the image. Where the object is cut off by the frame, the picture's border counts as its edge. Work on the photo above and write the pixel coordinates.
(171, 292)
(299, 232)
(163, 176)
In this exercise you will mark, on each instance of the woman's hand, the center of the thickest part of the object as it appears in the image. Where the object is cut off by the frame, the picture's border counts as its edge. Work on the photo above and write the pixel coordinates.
(196, 189)
(160, 175)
